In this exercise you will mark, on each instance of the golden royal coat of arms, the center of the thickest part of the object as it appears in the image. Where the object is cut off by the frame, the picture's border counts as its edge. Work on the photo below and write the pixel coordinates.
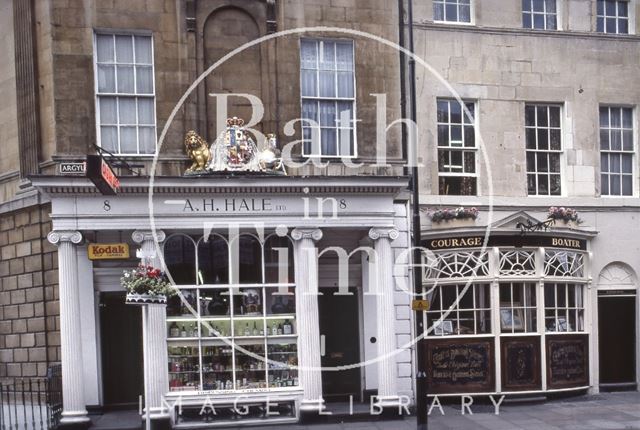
(233, 151)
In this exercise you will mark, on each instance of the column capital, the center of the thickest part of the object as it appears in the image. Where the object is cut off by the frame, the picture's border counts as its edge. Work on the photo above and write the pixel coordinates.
(383, 233)
(314, 234)
(140, 236)
(57, 236)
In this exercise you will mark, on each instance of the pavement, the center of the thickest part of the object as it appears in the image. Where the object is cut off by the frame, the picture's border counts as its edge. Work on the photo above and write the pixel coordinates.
(609, 411)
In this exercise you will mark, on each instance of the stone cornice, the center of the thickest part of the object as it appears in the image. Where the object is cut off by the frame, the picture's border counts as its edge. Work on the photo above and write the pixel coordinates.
(226, 184)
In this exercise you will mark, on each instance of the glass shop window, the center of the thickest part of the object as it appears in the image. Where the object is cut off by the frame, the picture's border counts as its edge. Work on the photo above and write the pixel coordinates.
(518, 307)
(564, 307)
(462, 309)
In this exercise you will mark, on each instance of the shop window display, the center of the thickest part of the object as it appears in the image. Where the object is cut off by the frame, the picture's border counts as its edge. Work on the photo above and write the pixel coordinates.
(232, 335)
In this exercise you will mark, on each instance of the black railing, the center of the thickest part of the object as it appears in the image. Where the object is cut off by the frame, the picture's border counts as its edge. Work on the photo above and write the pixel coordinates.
(32, 404)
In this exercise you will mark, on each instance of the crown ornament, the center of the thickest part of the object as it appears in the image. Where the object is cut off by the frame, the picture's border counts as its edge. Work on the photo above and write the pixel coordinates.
(234, 150)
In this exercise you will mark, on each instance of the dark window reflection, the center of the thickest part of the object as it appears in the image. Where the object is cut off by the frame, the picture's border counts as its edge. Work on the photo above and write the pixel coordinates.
(213, 260)
(275, 249)
(179, 257)
(250, 260)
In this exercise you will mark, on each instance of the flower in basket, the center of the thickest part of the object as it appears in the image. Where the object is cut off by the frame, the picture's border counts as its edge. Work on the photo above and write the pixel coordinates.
(564, 214)
(447, 214)
(147, 281)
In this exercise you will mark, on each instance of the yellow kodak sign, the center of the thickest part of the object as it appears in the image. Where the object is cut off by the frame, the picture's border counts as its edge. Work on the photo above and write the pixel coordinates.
(420, 305)
(108, 251)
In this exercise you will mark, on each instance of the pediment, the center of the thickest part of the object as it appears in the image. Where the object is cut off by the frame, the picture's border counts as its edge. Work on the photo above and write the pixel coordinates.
(512, 221)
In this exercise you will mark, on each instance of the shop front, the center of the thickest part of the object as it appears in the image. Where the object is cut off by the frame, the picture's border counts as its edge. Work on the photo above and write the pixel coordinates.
(259, 265)
(510, 311)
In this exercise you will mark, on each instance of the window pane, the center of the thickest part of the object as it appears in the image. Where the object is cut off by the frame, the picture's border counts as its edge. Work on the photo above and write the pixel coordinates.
(106, 79)
(144, 80)
(127, 110)
(469, 137)
(623, 26)
(615, 184)
(470, 162)
(328, 114)
(108, 110)
(530, 115)
(627, 140)
(604, 185)
(622, 8)
(556, 143)
(329, 141)
(611, 25)
(443, 111)
(345, 114)
(344, 56)
(531, 185)
(531, 138)
(627, 187)
(345, 84)
(309, 83)
(554, 116)
(543, 184)
(465, 13)
(551, 22)
(104, 48)
(542, 162)
(526, 20)
(604, 117)
(308, 54)
(614, 166)
(147, 140)
(604, 139)
(542, 116)
(610, 7)
(109, 138)
(600, 25)
(143, 49)
(128, 140)
(616, 140)
(526, 5)
(627, 118)
(327, 84)
(604, 162)
(600, 7)
(469, 113)
(627, 163)
(555, 187)
(145, 111)
(443, 135)
(346, 141)
(124, 49)
(554, 163)
(543, 138)
(538, 21)
(451, 11)
(438, 11)
(538, 5)
(125, 79)
(616, 117)
(327, 56)
(531, 161)
(551, 6)
(456, 135)
(310, 111)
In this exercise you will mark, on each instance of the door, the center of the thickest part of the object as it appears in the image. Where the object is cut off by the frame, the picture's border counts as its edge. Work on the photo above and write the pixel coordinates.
(121, 345)
(617, 340)
(340, 335)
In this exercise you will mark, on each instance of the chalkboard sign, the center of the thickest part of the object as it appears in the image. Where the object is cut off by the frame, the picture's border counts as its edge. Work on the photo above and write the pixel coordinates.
(520, 363)
(567, 361)
(460, 365)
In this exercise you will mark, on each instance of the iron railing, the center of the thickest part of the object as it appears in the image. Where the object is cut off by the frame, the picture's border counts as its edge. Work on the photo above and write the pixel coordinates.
(32, 404)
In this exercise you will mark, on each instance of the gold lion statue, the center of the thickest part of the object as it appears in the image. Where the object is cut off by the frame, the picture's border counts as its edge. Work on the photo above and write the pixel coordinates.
(198, 151)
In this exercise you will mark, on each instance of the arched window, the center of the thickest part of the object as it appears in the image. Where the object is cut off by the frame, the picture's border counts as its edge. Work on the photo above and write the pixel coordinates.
(213, 260)
(278, 260)
(180, 259)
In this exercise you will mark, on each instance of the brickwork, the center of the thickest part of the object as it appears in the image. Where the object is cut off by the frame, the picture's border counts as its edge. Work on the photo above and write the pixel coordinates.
(29, 321)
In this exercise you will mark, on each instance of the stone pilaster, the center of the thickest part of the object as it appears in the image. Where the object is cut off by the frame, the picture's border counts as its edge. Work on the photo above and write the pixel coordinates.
(154, 340)
(74, 412)
(382, 285)
(306, 274)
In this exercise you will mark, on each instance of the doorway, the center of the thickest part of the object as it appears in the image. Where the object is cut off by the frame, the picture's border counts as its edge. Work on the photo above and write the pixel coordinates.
(121, 345)
(617, 341)
(340, 344)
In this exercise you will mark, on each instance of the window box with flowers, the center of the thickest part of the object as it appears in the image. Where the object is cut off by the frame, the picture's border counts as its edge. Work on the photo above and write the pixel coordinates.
(453, 217)
(567, 216)
(146, 285)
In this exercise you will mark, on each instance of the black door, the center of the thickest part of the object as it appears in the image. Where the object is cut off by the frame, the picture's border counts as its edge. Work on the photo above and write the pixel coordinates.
(121, 344)
(340, 328)
(617, 339)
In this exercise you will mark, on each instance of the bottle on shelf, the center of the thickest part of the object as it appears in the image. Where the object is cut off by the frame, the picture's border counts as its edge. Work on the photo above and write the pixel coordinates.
(192, 331)
(247, 331)
(274, 329)
(255, 329)
(280, 331)
(183, 331)
(174, 330)
(287, 328)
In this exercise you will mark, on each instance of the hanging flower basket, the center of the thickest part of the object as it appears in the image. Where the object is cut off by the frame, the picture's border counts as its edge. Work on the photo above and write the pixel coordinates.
(458, 217)
(566, 215)
(146, 285)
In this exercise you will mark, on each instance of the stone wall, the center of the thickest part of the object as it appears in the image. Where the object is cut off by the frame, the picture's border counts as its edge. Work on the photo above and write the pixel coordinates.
(29, 322)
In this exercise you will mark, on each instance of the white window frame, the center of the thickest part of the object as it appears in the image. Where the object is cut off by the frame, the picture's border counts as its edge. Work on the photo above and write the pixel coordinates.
(547, 151)
(116, 95)
(524, 307)
(617, 16)
(435, 292)
(631, 152)
(544, 13)
(472, 10)
(462, 148)
(336, 99)
(579, 292)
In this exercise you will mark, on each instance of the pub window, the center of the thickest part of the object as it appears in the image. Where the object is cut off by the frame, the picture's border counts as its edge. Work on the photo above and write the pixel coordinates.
(327, 88)
(518, 307)
(563, 307)
(456, 122)
(232, 330)
(461, 264)
(125, 93)
(559, 263)
(616, 151)
(517, 263)
(544, 149)
(462, 309)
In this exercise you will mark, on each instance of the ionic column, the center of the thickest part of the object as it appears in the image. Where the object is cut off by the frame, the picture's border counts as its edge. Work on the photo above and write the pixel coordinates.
(74, 412)
(306, 273)
(382, 285)
(154, 335)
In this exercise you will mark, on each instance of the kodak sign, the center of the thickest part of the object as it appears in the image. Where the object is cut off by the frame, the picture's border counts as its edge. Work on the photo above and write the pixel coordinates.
(108, 251)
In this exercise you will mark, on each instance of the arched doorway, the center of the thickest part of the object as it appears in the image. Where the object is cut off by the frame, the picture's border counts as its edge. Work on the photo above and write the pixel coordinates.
(617, 333)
